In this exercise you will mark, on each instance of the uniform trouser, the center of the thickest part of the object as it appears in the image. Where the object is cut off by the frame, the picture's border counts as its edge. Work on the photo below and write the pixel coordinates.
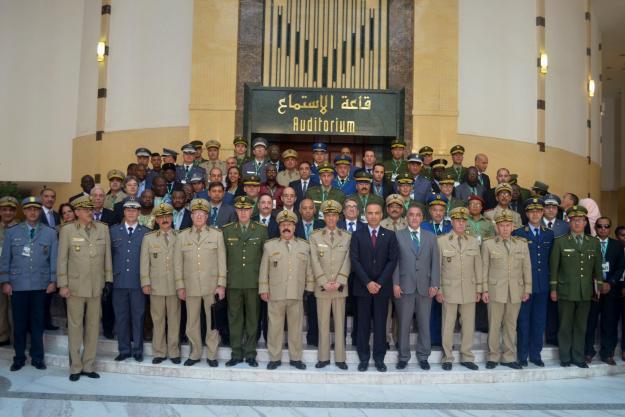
(392, 324)
(83, 327)
(312, 329)
(405, 307)
(553, 323)
(108, 315)
(47, 314)
(531, 326)
(572, 333)
(608, 308)
(165, 312)
(129, 306)
(5, 317)
(436, 323)
(194, 310)
(467, 330)
(243, 311)
(28, 310)
(336, 306)
(294, 311)
(502, 315)
(368, 306)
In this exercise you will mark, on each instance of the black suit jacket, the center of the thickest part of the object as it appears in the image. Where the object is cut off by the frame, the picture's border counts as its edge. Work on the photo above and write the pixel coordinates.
(387, 188)
(616, 259)
(300, 230)
(297, 186)
(186, 220)
(342, 224)
(272, 227)
(107, 217)
(486, 182)
(44, 219)
(369, 264)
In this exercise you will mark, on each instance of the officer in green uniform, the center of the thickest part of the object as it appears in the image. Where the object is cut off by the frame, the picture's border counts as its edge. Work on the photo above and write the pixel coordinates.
(447, 189)
(456, 170)
(240, 151)
(244, 241)
(324, 191)
(425, 153)
(397, 164)
(478, 226)
(251, 186)
(197, 144)
(363, 195)
(576, 274)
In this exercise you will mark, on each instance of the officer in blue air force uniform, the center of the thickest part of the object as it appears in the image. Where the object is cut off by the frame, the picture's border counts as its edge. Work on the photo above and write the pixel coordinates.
(27, 273)
(532, 318)
(128, 297)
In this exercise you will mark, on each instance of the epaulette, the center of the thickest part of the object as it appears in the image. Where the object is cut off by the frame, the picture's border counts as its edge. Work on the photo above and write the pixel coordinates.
(261, 224)
(347, 232)
(520, 238)
(272, 239)
(299, 239)
(484, 239)
(316, 231)
(228, 224)
(98, 221)
(151, 233)
(526, 228)
(68, 223)
(214, 228)
(563, 236)
(185, 229)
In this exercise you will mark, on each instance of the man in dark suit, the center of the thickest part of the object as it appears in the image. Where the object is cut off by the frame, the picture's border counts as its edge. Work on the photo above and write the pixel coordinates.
(220, 213)
(373, 253)
(305, 182)
(49, 217)
(607, 304)
(86, 183)
(380, 186)
(182, 216)
(481, 163)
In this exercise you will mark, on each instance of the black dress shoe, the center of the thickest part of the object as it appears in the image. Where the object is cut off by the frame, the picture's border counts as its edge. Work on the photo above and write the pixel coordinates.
(446, 366)
(470, 365)
(565, 364)
(16, 366)
(341, 365)
(252, 362)
(513, 365)
(362, 366)
(93, 375)
(610, 361)
(39, 365)
(491, 365)
(583, 365)
(175, 361)
(109, 336)
(51, 327)
(5, 342)
(138, 357)
(74, 377)
(538, 362)
(157, 360)
(424, 365)
(380, 366)
(401, 365)
(122, 357)
(322, 364)
(233, 362)
(273, 365)
(212, 363)
(298, 364)
(191, 362)
(523, 363)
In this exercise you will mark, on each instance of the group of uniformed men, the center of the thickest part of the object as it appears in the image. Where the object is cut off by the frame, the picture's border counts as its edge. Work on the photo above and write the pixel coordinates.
(411, 230)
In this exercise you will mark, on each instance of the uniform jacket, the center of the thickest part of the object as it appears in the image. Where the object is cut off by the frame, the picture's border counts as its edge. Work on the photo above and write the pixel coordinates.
(285, 274)
(38, 269)
(506, 276)
(417, 271)
(330, 261)
(126, 255)
(347, 186)
(157, 262)
(461, 268)
(444, 227)
(249, 168)
(540, 251)
(84, 261)
(183, 177)
(422, 188)
(400, 224)
(316, 195)
(464, 191)
(244, 252)
(558, 226)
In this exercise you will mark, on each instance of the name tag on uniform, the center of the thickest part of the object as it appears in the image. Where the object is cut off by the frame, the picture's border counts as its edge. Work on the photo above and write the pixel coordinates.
(606, 267)
(26, 251)
(569, 250)
(155, 255)
(233, 238)
(78, 239)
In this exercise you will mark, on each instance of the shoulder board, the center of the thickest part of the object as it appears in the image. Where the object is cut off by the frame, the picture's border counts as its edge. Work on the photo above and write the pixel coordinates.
(151, 233)
(99, 222)
(347, 232)
(184, 230)
(526, 228)
(519, 238)
(563, 236)
(484, 239)
(46, 226)
(272, 240)
(68, 223)
(228, 224)
(302, 240)
(215, 229)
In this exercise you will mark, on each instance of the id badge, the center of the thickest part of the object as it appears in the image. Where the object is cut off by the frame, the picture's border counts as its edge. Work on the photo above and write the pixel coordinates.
(606, 267)
(394, 176)
(320, 215)
(274, 203)
(26, 251)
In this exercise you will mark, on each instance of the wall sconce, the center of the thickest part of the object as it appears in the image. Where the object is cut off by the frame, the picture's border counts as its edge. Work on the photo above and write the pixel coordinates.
(102, 50)
(543, 62)
(591, 87)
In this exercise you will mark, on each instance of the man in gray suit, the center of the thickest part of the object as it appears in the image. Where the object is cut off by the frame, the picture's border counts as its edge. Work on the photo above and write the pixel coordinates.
(415, 282)
(219, 213)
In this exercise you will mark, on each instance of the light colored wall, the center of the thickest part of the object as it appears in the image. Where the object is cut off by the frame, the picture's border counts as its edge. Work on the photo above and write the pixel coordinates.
(149, 69)
(497, 69)
(88, 80)
(40, 46)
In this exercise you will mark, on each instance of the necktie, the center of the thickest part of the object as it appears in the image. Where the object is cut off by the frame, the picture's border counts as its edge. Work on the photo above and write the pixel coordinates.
(51, 219)
(460, 243)
(324, 195)
(97, 216)
(288, 245)
(550, 225)
(507, 245)
(305, 186)
(308, 227)
(129, 231)
(437, 228)
(186, 169)
(374, 238)
(579, 241)
(415, 240)
(332, 237)
(265, 221)
(479, 177)
(32, 234)
(351, 227)
(214, 216)
(536, 233)
(604, 247)
(243, 229)
(166, 236)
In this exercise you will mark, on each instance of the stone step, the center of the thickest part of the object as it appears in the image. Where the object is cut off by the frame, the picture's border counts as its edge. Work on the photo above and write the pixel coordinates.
(57, 356)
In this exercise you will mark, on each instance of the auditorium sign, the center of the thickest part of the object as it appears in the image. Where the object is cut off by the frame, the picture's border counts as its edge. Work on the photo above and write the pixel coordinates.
(323, 111)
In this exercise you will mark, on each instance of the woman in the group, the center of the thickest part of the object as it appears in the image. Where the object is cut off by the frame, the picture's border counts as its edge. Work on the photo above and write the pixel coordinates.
(67, 213)
(593, 213)
(233, 185)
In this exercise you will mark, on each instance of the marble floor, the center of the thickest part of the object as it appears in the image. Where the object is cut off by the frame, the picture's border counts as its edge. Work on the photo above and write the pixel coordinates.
(49, 393)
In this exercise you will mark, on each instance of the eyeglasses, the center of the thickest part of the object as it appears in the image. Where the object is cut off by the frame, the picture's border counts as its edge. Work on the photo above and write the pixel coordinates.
(602, 226)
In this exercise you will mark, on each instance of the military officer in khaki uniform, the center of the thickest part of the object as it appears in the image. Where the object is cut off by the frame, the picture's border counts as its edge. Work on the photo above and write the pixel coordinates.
(290, 173)
(244, 241)
(461, 287)
(285, 273)
(200, 273)
(503, 194)
(329, 250)
(506, 282)
(115, 193)
(8, 210)
(575, 261)
(84, 268)
(395, 210)
(213, 161)
(157, 281)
